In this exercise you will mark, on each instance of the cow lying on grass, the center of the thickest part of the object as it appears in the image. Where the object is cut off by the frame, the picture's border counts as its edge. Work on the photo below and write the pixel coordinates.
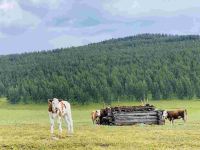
(175, 114)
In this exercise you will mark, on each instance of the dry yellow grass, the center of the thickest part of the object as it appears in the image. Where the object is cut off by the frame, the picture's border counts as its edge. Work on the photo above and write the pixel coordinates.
(27, 127)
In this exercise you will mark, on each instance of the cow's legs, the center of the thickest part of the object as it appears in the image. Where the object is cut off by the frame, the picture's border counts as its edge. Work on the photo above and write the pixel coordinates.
(67, 120)
(71, 125)
(60, 125)
(69, 116)
(172, 121)
(184, 118)
(52, 125)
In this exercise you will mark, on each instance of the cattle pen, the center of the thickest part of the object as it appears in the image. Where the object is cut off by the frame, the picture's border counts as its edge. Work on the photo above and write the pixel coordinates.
(131, 115)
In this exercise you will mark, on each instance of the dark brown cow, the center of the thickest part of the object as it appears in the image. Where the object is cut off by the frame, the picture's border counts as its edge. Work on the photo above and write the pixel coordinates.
(175, 114)
(104, 116)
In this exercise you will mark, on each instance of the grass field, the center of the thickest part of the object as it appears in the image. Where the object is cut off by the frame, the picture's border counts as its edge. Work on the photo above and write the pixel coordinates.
(27, 127)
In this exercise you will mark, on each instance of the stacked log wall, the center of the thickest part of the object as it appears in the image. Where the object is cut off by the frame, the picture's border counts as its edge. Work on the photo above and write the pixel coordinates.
(138, 117)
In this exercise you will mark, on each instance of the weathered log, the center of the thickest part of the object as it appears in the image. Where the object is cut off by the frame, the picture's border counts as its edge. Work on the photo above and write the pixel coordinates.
(152, 113)
(129, 115)
(133, 108)
(132, 123)
(138, 120)
(136, 117)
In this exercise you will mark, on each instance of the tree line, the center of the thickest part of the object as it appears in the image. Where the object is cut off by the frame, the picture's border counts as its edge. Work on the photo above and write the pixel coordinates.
(156, 66)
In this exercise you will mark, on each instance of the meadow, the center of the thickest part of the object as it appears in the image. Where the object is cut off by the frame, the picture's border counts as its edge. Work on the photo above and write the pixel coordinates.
(27, 127)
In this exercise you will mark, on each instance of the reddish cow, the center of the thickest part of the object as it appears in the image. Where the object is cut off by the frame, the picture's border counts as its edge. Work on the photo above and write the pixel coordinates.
(94, 116)
(175, 114)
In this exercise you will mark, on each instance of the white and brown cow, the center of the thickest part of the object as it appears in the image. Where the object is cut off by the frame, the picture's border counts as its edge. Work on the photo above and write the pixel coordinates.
(58, 108)
(175, 114)
(95, 116)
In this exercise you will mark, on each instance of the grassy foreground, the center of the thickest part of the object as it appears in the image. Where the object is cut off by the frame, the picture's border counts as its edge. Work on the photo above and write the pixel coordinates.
(27, 127)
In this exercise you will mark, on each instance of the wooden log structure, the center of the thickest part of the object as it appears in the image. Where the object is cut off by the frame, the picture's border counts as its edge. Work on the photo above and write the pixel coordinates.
(130, 115)
(146, 117)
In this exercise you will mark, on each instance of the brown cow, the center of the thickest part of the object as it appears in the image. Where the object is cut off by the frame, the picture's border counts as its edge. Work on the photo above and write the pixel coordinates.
(95, 116)
(175, 114)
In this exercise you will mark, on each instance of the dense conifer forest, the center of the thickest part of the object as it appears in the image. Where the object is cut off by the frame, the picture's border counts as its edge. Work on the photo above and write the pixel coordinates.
(156, 66)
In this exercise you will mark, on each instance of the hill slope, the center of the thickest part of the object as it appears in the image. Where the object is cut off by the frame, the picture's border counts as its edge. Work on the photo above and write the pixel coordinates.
(154, 65)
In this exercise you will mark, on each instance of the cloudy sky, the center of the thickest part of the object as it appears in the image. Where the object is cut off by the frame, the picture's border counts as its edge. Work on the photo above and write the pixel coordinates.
(34, 25)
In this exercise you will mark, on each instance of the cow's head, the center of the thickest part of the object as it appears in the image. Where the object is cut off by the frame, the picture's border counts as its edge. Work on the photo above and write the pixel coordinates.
(55, 104)
(98, 113)
(165, 114)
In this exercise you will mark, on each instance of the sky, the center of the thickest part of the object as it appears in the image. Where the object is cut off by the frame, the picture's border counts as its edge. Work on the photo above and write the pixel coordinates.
(35, 25)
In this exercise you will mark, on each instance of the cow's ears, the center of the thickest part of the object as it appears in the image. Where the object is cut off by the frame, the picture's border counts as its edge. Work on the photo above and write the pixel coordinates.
(50, 100)
(60, 100)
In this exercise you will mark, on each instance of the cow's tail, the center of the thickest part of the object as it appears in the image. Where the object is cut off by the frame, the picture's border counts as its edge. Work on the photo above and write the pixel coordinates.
(185, 115)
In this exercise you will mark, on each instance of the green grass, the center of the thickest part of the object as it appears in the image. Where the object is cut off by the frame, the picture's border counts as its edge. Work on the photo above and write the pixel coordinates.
(27, 127)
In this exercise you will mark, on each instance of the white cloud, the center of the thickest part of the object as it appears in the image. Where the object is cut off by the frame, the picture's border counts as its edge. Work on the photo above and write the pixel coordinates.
(2, 35)
(195, 29)
(145, 8)
(60, 23)
(52, 4)
(66, 41)
(12, 15)
(77, 40)
(6, 6)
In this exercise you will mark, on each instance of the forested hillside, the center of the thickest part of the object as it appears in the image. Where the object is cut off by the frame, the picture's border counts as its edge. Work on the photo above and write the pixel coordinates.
(149, 65)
